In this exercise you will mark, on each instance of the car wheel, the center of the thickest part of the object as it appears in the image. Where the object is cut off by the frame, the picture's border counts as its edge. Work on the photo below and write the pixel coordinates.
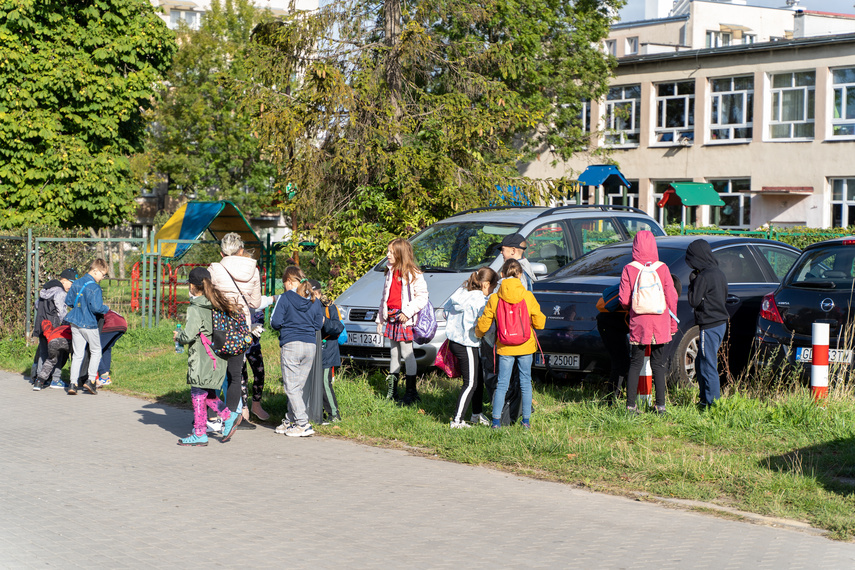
(683, 361)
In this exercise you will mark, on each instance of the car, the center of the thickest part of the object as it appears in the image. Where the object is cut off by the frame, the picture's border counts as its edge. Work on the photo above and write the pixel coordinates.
(571, 343)
(818, 288)
(450, 250)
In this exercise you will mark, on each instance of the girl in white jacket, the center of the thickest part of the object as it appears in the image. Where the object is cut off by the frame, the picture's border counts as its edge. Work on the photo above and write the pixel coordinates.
(463, 308)
(405, 293)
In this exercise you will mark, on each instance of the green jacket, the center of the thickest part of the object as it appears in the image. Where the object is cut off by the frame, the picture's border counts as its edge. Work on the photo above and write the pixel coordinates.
(200, 366)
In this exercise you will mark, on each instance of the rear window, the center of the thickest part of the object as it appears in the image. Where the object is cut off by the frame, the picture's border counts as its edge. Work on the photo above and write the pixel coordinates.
(610, 262)
(824, 268)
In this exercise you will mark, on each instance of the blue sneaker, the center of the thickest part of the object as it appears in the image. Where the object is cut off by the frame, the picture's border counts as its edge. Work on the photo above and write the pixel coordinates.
(497, 424)
(229, 425)
(194, 440)
(59, 384)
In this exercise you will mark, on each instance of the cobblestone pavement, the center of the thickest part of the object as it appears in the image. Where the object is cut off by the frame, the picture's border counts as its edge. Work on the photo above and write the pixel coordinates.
(97, 481)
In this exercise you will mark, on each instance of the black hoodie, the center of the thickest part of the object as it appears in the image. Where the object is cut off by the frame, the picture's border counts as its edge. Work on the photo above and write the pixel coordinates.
(707, 286)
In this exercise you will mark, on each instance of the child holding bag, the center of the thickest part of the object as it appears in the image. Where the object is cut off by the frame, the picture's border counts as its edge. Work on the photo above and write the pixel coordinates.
(464, 307)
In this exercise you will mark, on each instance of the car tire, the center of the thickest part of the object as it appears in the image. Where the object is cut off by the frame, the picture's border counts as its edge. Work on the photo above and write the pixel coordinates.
(682, 369)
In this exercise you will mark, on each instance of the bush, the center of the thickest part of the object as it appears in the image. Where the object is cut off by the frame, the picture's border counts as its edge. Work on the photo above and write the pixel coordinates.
(800, 236)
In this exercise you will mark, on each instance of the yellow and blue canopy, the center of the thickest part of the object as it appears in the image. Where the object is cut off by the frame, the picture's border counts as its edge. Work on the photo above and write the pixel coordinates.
(192, 219)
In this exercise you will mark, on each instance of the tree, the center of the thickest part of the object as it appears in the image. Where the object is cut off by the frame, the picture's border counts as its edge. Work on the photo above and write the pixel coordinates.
(200, 142)
(431, 104)
(76, 77)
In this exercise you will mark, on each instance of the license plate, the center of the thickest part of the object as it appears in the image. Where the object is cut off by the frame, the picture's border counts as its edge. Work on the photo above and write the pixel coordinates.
(567, 361)
(805, 354)
(365, 339)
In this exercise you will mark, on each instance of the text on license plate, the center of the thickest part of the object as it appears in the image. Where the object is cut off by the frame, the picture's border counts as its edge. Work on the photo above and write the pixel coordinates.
(805, 354)
(569, 361)
(364, 339)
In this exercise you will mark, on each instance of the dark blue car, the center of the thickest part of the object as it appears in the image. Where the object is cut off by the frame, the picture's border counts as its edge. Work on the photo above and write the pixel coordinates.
(568, 297)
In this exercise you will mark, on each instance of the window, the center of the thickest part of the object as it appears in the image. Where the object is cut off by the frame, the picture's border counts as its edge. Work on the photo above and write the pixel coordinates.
(739, 265)
(843, 114)
(718, 39)
(615, 195)
(749, 38)
(611, 47)
(623, 121)
(671, 214)
(635, 225)
(631, 46)
(842, 202)
(732, 108)
(736, 212)
(779, 259)
(459, 247)
(189, 17)
(592, 233)
(792, 105)
(585, 117)
(675, 111)
(547, 244)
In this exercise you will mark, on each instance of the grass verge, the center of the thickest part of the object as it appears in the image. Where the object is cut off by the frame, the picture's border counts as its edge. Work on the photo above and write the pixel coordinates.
(780, 456)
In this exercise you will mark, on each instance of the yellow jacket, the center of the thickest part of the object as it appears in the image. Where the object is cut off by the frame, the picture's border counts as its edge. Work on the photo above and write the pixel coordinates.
(512, 291)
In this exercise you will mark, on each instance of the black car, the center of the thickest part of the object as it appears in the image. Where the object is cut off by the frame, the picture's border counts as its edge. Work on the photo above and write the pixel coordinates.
(818, 288)
(568, 297)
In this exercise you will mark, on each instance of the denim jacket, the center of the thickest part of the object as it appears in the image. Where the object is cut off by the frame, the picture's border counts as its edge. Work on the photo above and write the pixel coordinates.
(89, 303)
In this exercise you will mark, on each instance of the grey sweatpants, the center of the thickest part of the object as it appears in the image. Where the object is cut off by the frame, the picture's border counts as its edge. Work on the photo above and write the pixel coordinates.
(79, 339)
(297, 358)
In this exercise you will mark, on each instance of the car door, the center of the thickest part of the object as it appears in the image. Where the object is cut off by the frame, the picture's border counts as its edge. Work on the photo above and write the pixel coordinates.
(548, 244)
(594, 232)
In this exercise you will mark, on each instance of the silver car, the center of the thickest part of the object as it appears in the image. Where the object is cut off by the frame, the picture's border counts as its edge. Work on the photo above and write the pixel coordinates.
(449, 250)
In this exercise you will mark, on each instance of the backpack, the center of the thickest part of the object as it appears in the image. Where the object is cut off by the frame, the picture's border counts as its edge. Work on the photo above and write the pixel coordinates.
(648, 295)
(230, 336)
(609, 302)
(513, 323)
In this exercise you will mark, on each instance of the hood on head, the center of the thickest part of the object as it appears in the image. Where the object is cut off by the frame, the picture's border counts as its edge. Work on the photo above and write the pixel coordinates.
(51, 289)
(699, 255)
(512, 290)
(644, 248)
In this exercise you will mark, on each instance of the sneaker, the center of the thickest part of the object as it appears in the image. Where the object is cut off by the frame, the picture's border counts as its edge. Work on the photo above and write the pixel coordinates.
(632, 410)
(526, 424)
(496, 424)
(37, 386)
(194, 440)
(297, 430)
(459, 425)
(59, 384)
(214, 426)
(480, 419)
(660, 410)
(103, 380)
(229, 425)
(283, 427)
(90, 387)
(72, 390)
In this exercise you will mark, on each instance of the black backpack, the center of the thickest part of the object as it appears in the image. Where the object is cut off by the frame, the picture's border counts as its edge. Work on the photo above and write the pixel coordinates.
(231, 335)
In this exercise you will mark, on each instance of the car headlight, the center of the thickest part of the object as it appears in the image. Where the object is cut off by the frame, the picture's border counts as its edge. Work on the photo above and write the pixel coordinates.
(344, 312)
(440, 315)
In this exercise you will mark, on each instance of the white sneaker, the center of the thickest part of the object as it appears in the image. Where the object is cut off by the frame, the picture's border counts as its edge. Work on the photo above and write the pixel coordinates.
(214, 426)
(480, 419)
(297, 430)
(283, 427)
(459, 425)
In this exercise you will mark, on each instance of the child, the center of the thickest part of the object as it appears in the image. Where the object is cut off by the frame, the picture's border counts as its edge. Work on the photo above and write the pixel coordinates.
(297, 317)
(86, 300)
(464, 307)
(205, 370)
(331, 357)
(405, 293)
(51, 307)
(647, 329)
(511, 292)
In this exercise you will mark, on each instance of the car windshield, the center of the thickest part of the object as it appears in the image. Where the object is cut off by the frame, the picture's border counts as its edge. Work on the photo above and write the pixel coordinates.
(610, 261)
(824, 268)
(458, 248)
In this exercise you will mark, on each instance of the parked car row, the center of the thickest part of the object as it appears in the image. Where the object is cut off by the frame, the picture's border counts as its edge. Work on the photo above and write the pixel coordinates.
(775, 291)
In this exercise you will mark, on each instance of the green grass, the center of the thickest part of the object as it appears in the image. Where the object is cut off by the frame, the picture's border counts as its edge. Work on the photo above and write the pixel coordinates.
(776, 454)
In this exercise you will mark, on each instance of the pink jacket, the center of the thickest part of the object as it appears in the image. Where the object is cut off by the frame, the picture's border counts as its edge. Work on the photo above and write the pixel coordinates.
(648, 329)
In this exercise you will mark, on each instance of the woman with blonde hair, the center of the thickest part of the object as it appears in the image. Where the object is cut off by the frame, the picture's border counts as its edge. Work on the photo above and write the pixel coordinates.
(405, 293)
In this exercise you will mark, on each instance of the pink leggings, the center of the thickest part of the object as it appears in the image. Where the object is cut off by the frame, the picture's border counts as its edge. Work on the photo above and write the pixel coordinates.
(202, 397)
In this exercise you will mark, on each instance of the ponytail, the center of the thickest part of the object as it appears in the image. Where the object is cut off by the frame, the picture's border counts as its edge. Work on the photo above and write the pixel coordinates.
(294, 273)
(217, 298)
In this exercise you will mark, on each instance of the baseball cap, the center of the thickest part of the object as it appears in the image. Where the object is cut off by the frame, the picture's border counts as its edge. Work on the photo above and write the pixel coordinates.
(197, 274)
(316, 285)
(514, 240)
(70, 274)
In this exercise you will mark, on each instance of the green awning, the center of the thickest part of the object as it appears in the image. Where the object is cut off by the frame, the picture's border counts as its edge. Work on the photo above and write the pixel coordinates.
(691, 194)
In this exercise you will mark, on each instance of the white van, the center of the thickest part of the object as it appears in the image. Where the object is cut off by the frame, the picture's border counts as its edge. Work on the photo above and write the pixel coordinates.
(450, 250)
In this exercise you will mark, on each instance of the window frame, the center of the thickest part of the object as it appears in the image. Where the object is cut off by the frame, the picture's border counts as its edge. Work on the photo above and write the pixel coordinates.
(847, 88)
(661, 113)
(634, 121)
(748, 110)
(631, 45)
(778, 92)
(843, 203)
(610, 47)
(715, 39)
(743, 197)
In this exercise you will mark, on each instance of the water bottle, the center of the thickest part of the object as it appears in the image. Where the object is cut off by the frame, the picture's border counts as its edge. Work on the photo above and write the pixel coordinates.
(178, 348)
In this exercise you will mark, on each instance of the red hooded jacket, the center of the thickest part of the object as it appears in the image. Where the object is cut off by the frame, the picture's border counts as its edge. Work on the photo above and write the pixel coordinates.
(648, 329)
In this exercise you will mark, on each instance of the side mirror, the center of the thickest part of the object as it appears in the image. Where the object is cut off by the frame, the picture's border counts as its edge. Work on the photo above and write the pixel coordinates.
(539, 268)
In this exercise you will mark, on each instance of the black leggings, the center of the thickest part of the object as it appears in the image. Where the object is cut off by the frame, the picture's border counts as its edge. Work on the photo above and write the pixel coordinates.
(657, 363)
(468, 359)
(256, 362)
(234, 365)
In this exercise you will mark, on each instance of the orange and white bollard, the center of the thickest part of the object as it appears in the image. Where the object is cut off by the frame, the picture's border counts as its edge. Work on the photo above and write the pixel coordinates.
(819, 361)
(645, 379)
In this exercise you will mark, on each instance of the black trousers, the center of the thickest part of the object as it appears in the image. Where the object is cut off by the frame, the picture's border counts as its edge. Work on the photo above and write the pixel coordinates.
(657, 363)
(468, 358)
(256, 363)
(613, 331)
(234, 366)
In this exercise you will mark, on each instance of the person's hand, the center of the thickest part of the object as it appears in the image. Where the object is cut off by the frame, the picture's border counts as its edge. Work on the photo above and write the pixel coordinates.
(402, 318)
(257, 330)
(174, 335)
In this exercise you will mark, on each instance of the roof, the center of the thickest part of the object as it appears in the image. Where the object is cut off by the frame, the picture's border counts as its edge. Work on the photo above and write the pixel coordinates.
(598, 174)
(524, 214)
(192, 219)
(691, 194)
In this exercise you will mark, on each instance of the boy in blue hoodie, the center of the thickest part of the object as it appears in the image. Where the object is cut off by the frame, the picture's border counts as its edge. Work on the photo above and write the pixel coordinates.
(86, 300)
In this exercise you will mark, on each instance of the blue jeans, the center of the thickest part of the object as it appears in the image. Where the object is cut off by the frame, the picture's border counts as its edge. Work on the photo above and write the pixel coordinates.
(706, 363)
(506, 367)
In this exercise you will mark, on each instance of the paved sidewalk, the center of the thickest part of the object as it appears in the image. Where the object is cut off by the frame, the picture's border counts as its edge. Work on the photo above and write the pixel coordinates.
(98, 482)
